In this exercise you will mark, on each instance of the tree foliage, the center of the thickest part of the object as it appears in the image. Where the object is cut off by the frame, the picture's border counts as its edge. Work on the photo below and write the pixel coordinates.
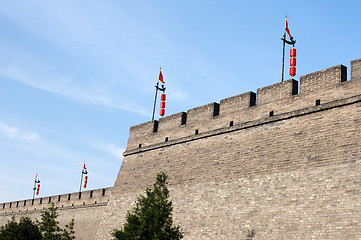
(49, 226)
(47, 229)
(151, 218)
(25, 229)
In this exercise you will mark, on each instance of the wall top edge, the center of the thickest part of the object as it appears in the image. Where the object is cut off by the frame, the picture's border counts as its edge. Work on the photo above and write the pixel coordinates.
(260, 91)
(244, 125)
(64, 194)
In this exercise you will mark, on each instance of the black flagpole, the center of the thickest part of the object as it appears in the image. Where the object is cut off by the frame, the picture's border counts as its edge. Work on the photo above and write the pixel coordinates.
(283, 56)
(83, 171)
(34, 188)
(156, 93)
(155, 98)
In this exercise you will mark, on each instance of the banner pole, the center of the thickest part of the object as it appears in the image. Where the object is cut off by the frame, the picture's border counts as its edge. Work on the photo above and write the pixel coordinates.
(155, 98)
(283, 55)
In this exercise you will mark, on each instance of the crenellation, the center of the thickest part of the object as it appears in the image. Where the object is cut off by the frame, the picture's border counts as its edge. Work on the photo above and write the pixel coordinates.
(184, 118)
(286, 176)
(208, 114)
(277, 92)
(170, 122)
(203, 112)
(328, 85)
(155, 126)
(139, 134)
(356, 70)
(322, 80)
(322, 86)
(169, 127)
(61, 200)
(237, 109)
(238, 103)
(86, 212)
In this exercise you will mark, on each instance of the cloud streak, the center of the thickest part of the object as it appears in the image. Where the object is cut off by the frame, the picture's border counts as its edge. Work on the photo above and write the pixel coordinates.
(124, 67)
(60, 86)
(110, 148)
(16, 133)
(115, 151)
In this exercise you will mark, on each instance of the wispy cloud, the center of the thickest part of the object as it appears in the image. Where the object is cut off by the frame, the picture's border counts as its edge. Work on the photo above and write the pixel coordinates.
(115, 151)
(95, 45)
(65, 86)
(16, 133)
(110, 148)
(123, 66)
(32, 142)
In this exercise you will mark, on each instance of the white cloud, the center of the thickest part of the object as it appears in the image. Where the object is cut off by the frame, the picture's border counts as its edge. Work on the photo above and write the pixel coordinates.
(115, 151)
(100, 52)
(65, 86)
(15, 133)
(110, 148)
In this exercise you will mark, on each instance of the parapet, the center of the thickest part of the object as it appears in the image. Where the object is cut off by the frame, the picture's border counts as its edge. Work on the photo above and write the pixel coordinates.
(202, 113)
(277, 92)
(315, 88)
(76, 199)
(321, 80)
(356, 70)
(237, 103)
(172, 121)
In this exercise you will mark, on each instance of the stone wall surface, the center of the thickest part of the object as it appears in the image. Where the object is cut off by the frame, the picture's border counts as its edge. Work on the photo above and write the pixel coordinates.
(87, 210)
(284, 162)
(278, 179)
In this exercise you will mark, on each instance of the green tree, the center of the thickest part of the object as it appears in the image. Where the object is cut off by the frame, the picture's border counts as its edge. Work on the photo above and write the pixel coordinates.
(26, 229)
(49, 226)
(151, 218)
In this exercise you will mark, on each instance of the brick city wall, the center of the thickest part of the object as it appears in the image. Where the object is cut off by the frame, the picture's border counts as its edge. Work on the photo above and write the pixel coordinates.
(283, 162)
(86, 209)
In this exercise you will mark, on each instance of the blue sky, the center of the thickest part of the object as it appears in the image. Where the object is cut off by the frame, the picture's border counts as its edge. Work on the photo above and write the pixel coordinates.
(76, 75)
